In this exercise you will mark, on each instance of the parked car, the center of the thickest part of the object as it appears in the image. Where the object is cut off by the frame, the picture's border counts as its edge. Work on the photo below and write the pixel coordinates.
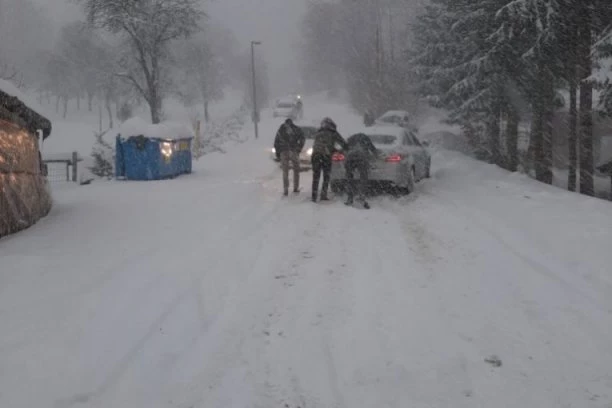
(403, 161)
(289, 107)
(309, 129)
(397, 118)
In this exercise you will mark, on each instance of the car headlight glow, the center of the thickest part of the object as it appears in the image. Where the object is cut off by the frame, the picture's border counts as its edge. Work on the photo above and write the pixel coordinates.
(274, 150)
(309, 152)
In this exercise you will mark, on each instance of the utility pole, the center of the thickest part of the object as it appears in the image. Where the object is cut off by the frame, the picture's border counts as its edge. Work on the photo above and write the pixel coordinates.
(255, 111)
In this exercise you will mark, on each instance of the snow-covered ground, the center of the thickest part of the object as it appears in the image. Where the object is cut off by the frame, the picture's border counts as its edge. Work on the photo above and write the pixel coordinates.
(212, 291)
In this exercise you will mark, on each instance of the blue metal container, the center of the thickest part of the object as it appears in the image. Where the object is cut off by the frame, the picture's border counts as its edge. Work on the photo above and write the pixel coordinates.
(144, 158)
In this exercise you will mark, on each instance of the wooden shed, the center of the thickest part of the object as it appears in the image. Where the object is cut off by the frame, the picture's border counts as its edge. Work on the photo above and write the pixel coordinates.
(24, 194)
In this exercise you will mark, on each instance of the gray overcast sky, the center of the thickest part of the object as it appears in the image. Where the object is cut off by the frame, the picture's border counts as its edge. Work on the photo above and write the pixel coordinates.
(275, 22)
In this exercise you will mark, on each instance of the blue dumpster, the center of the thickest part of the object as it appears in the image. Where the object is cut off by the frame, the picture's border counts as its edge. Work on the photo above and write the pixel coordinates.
(152, 152)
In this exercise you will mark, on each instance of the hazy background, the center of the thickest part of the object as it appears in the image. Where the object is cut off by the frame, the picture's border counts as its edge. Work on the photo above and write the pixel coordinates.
(274, 22)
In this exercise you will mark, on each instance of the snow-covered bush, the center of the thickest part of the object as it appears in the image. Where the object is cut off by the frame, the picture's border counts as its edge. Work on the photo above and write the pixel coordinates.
(103, 154)
(219, 132)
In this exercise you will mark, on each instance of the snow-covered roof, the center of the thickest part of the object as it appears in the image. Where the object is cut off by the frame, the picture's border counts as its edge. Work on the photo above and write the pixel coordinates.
(163, 131)
(18, 103)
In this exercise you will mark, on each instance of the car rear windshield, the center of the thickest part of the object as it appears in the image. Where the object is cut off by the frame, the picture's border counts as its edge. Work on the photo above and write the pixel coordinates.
(383, 139)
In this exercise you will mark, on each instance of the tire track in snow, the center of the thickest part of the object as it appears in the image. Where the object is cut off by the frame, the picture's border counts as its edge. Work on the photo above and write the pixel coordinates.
(514, 321)
(219, 257)
(231, 342)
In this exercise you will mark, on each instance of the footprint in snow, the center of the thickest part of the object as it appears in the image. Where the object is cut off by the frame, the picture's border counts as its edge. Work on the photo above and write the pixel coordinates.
(494, 361)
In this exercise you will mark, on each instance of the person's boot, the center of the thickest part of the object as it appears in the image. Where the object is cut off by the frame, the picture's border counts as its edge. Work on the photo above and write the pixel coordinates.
(366, 205)
(349, 201)
(296, 190)
(285, 193)
(314, 197)
(324, 197)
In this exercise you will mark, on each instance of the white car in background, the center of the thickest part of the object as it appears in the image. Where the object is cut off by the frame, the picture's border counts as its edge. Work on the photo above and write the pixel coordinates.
(397, 118)
(309, 129)
(403, 161)
(289, 107)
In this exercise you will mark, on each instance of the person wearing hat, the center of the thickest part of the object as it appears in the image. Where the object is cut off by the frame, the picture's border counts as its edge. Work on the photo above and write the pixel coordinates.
(322, 150)
(288, 144)
(359, 152)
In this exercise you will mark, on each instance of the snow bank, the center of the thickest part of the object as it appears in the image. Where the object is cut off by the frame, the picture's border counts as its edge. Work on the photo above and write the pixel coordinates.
(165, 131)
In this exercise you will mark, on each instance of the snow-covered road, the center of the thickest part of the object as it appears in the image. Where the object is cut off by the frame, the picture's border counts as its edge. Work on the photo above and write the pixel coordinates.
(212, 291)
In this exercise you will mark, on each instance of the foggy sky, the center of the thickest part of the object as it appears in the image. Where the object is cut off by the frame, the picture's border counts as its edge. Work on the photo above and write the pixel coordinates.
(274, 22)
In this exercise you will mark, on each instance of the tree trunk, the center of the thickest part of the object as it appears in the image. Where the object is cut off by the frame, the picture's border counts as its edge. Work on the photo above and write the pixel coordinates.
(100, 117)
(547, 142)
(206, 114)
(90, 96)
(65, 107)
(493, 129)
(572, 140)
(535, 143)
(109, 110)
(57, 102)
(155, 114)
(586, 105)
(543, 111)
(572, 74)
(512, 128)
(78, 102)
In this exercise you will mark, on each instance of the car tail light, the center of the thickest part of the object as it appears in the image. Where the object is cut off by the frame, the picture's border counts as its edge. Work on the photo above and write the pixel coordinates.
(337, 157)
(394, 158)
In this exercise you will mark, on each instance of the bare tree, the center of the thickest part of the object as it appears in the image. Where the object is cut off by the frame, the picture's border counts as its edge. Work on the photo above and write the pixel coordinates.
(149, 26)
(203, 74)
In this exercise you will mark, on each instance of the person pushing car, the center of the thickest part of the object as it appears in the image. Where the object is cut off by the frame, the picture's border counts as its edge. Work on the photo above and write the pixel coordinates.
(322, 150)
(359, 151)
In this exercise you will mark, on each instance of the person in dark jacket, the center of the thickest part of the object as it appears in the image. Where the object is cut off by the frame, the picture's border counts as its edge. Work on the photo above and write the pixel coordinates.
(359, 152)
(288, 144)
(368, 118)
(324, 146)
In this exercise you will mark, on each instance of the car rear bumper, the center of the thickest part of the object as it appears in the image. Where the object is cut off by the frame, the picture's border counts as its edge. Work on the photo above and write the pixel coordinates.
(387, 172)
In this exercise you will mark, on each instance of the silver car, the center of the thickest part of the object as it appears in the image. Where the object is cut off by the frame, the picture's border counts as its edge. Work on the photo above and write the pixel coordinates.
(403, 159)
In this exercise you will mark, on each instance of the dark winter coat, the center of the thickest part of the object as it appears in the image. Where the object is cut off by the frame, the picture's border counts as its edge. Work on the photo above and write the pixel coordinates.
(289, 138)
(360, 146)
(325, 141)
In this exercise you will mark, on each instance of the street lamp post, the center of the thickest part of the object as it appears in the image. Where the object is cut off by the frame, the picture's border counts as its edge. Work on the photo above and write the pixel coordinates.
(255, 111)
